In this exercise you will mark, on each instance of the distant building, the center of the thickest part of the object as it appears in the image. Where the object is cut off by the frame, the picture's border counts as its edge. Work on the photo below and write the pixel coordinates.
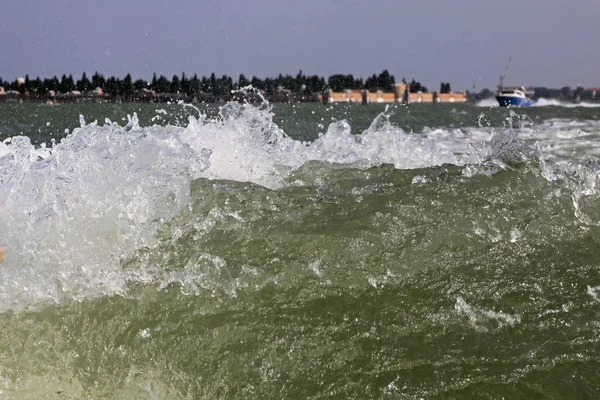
(381, 97)
(347, 96)
(399, 95)
(401, 89)
(451, 97)
(420, 97)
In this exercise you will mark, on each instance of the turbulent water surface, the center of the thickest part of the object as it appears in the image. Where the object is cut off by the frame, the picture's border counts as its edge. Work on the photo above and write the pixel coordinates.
(299, 251)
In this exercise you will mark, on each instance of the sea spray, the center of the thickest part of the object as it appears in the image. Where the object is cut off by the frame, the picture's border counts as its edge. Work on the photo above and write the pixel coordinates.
(227, 258)
(102, 193)
(76, 210)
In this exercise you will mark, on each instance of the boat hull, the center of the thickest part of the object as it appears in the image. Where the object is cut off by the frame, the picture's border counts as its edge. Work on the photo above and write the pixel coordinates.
(505, 101)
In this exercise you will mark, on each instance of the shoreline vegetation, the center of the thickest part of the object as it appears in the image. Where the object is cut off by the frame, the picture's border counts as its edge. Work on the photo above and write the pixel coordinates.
(213, 89)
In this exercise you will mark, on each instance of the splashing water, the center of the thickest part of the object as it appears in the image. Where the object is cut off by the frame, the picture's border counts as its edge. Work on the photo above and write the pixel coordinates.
(74, 210)
(226, 259)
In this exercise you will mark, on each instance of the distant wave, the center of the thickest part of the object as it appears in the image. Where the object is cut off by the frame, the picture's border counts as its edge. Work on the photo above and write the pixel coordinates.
(489, 102)
(542, 102)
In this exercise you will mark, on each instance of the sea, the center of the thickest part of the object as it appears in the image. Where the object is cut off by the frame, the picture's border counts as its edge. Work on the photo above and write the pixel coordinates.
(300, 251)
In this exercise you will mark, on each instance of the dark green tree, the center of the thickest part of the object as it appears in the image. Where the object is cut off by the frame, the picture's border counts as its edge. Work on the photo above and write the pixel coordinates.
(162, 85)
(385, 81)
(205, 85)
(112, 86)
(84, 84)
(194, 86)
(299, 84)
(139, 84)
(257, 83)
(340, 82)
(36, 85)
(98, 81)
(445, 87)
(50, 84)
(63, 87)
(66, 84)
(127, 86)
(415, 87)
(175, 84)
(26, 87)
(371, 83)
(315, 84)
(184, 83)
(223, 86)
(242, 81)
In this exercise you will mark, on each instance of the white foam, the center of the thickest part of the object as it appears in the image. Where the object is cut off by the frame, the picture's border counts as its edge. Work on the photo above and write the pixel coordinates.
(542, 102)
(246, 145)
(101, 194)
(479, 316)
(593, 292)
(70, 213)
(489, 102)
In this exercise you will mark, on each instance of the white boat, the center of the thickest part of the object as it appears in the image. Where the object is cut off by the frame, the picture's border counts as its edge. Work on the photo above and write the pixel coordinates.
(513, 96)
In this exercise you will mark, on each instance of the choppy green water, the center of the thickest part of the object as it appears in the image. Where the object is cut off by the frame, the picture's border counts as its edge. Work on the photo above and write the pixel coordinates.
(42, 122)
(473, 279)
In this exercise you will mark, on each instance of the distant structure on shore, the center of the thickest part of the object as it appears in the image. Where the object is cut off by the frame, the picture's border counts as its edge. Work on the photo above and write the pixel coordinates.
(283, 89)
(400, 95)
(340, 88)
(145, 95)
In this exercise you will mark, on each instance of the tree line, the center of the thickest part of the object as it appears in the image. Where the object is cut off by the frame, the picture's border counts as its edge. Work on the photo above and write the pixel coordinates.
(217, 86)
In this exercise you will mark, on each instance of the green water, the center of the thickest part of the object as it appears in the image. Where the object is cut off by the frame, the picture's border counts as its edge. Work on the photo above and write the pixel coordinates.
(43, 122)
(360, 283)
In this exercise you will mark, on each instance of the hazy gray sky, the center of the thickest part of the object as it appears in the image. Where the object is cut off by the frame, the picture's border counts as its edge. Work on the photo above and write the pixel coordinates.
(552, 42)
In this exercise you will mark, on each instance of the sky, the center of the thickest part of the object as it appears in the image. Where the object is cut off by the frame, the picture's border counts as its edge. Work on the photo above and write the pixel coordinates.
(551, 43)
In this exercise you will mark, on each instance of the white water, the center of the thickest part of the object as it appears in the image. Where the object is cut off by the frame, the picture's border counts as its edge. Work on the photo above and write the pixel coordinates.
(491, 102)
(74, 211)
(101, 194)
(553, 102)
(560, 140)
(71, 213)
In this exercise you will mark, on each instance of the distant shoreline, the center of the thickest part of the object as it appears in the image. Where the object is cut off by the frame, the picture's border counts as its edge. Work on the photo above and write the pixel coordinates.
(381, 88)
(154, 98)
(175, 98)
(287, 96)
